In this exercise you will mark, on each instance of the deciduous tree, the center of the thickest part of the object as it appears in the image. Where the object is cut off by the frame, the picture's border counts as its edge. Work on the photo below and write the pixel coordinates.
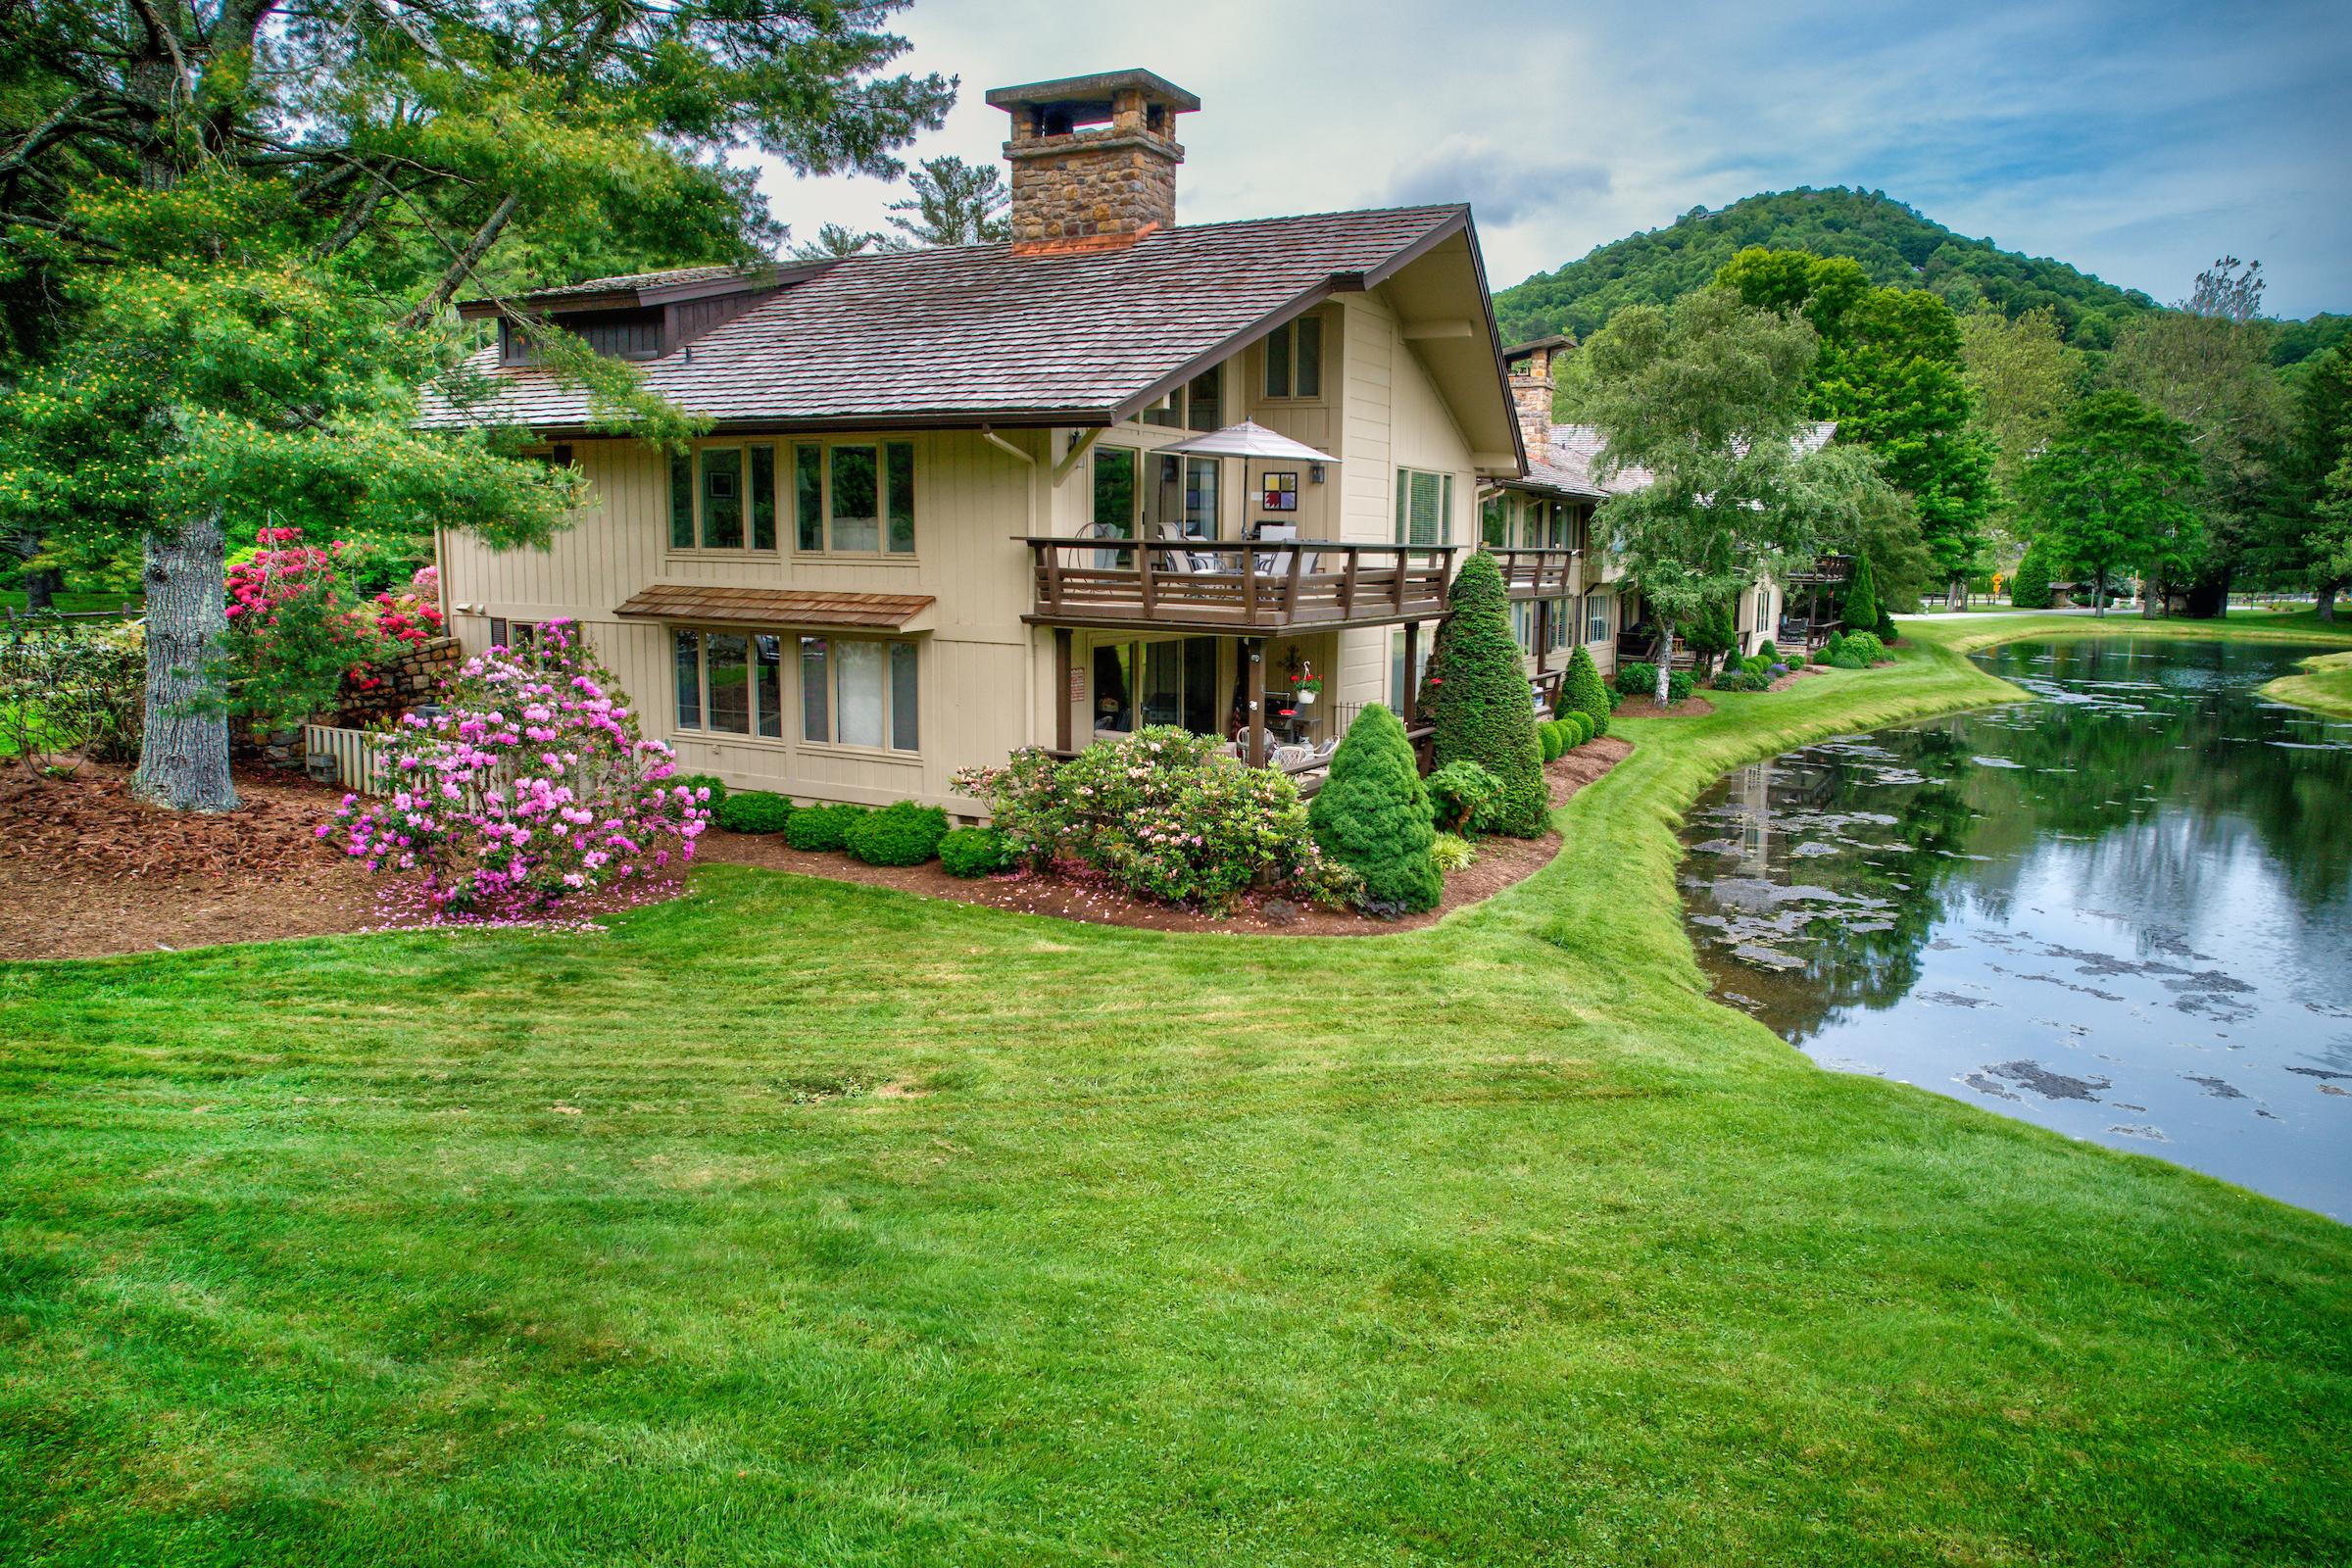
(1711, 398)
(2117, 486)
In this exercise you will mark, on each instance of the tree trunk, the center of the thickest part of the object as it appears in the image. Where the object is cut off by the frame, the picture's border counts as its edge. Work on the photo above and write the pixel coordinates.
(2152, 597)
(42, 584)
(1955, 596)
(2327, 605)
(1665, 657)
(184, 757)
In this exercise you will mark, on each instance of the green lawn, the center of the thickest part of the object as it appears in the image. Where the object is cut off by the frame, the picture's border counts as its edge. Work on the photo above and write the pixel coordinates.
(804, 1223)
(2325, 685)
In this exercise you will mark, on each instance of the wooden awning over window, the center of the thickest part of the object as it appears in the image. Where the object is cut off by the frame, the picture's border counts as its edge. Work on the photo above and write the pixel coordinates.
(774, 607)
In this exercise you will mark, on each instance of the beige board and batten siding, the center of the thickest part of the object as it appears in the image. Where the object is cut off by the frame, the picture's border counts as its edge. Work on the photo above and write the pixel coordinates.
(972, 503)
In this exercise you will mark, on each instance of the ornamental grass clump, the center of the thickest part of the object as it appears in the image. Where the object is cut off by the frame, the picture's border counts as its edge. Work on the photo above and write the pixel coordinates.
(1372, 816)
(1163, 816)
(531, 784)
(1483, 713)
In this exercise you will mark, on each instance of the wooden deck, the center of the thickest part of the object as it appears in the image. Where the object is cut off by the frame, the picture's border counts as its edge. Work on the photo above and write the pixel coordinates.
(1538, 573)
(1209, 585)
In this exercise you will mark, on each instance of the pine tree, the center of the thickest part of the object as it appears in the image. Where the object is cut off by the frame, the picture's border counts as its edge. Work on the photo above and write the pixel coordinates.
(2030, 588)
(1372, 814)
(1484, 713)
(1585, 691)
(1861, 612)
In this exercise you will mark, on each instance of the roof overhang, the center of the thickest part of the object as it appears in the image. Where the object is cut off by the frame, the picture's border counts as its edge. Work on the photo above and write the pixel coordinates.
(558, 301)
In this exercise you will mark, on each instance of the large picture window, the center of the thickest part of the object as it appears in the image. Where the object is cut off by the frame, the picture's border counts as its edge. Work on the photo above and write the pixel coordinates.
(729, 683)
(1295, 358)
(857, 691)
(723, 498)
(1424, 507)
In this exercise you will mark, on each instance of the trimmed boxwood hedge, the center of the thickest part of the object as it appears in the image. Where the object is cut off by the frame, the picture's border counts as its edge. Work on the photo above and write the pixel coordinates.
(1548, 734)
(975, 852)
(753, 811)
(821, 827)
(902, 834)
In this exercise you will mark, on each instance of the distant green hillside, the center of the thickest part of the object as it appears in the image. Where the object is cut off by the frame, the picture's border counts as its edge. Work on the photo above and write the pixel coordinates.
(1896, 243)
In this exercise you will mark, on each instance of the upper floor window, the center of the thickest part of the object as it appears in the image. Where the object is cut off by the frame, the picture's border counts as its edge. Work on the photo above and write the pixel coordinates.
(1197, 405)
(1295, 358)
(848, 498)
(723, 498)
(1494, 522)
(1424, 507)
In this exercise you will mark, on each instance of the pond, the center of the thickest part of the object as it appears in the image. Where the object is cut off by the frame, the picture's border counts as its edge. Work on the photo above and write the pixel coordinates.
(2123, 910)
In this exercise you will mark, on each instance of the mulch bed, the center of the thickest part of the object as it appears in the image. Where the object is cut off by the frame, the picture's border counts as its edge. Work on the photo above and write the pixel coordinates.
(1693, 706)
(1087, 897)
(86, 871)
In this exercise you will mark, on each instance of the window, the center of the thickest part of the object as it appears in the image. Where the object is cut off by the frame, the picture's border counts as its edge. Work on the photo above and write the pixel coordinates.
(856, 691)
(1114, 502)
(1397, 671)
(1205, 401)
(1424, 507)
(728, 683)
(1156, 683)
(1201, 497)
(1597, 618)
(852, 498)
(1557, 622)
(1295, 358)
(1494, 522)
(713, 490)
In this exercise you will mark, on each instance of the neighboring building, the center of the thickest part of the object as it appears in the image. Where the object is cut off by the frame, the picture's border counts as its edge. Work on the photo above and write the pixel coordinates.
(1564, 589)
(897, 554)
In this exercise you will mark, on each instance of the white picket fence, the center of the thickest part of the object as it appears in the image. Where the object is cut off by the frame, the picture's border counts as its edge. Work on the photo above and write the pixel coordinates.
(359, 756)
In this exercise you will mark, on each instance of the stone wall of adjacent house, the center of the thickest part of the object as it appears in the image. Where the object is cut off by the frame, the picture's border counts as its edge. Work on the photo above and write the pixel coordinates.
(408, 679)
(1532, 396)
(1099, 185)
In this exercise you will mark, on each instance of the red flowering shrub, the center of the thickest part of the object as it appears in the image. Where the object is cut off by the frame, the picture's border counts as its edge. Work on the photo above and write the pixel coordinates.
(531, 784)
(298, 631)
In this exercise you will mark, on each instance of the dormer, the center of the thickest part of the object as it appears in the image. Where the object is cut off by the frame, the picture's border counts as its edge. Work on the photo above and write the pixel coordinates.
(646, 315)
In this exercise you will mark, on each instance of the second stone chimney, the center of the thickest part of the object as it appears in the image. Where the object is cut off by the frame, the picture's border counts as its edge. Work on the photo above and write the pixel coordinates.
(1093, 158)
(1532, 387)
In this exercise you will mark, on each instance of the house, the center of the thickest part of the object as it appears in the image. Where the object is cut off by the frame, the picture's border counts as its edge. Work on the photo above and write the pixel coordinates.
(1565, 590)
(955, 501)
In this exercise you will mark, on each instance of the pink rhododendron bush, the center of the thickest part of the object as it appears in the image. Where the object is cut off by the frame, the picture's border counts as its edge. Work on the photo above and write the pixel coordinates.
(531, 785)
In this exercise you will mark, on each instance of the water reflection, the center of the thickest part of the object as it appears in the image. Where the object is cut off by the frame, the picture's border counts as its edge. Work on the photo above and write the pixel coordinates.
(2123, 909)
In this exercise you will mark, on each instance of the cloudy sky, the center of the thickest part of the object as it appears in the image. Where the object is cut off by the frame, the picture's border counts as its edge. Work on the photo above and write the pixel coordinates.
(2136, 141)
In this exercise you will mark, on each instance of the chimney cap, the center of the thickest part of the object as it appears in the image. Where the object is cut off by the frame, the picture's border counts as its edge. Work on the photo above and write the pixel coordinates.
(1095, 91)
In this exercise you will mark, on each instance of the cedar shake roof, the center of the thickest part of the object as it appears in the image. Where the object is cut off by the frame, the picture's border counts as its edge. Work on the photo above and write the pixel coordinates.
(774, 607)
(969, 334)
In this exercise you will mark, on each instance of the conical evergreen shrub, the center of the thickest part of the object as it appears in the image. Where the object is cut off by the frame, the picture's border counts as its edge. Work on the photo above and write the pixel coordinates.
(1372, 816)
(1482, 711)
(1585, 691)
(2030, 588)
(1861, 610)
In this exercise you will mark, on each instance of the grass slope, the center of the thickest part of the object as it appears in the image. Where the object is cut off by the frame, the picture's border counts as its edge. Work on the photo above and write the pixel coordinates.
(802, 1222)
(2324, 687)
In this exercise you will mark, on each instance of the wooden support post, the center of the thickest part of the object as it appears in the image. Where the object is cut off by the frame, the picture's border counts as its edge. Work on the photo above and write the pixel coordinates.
(1543, 633)
(1062, 668)
(1348, 587)
(1253, 648)
(1412, 672)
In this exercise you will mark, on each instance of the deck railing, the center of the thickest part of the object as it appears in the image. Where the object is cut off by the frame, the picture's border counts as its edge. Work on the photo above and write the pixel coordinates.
(1538, 573)
(1214, 585)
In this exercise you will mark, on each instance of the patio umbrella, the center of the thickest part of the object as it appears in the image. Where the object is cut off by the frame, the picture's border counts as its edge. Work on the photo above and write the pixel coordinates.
(1247, 441)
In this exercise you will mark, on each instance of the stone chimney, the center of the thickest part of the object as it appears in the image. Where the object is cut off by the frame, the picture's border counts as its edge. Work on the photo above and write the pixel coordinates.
(1531, 385)
(1093, 158)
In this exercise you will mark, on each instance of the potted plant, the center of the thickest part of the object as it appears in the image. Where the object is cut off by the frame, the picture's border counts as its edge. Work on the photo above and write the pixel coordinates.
(1308, 685)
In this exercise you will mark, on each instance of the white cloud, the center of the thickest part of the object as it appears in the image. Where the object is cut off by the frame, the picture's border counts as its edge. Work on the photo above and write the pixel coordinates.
(2134, 144)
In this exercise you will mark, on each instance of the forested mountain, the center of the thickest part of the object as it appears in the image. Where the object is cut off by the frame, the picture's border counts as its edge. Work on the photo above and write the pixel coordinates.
(1893, 242)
